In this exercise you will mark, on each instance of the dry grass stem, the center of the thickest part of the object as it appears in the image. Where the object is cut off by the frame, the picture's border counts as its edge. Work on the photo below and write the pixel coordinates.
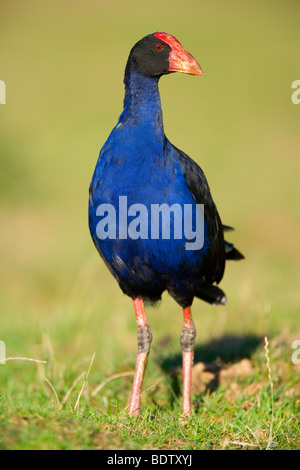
(244, 444)
(109, 379)
(147, 389)
(19, 358)
(54, 391)
(75, 382)
(84, 383)
(272, 394)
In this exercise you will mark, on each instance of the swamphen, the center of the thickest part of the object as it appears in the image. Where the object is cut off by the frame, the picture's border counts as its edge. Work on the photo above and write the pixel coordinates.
(139, 173)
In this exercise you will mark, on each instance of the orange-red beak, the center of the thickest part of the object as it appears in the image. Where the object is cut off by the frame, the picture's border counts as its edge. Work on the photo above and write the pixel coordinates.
(180, 60)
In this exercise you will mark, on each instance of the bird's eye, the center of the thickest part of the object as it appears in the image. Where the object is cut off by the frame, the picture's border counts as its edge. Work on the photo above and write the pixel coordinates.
(158, 47)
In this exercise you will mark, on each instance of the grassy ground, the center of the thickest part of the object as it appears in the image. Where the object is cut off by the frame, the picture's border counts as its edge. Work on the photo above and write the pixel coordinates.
(62, 63)
(58, 413)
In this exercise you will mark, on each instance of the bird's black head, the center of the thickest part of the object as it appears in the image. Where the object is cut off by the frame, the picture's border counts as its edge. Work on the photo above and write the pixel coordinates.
(161, 53)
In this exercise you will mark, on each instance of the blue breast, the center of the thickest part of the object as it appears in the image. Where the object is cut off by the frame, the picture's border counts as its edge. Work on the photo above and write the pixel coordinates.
(138, 164)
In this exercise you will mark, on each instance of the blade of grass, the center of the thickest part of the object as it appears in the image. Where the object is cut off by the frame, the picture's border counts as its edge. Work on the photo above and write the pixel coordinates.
(84, 383)
(109, 379)
(54, 391)
(269, 444)
(73, 385)
(19, 358)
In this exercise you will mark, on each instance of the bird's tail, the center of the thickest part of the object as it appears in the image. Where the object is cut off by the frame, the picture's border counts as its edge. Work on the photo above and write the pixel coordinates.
(211, 294)
(230, 251)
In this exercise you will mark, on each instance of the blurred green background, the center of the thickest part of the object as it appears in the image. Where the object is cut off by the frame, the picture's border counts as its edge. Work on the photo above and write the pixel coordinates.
(63, 63)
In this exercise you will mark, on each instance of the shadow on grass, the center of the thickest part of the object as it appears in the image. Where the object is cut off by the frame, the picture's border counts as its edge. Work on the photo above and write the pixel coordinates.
(217, 354)
(227, 349)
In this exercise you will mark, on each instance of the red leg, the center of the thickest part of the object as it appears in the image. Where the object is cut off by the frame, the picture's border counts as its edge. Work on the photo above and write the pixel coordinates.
(144, 341)
(187, 341)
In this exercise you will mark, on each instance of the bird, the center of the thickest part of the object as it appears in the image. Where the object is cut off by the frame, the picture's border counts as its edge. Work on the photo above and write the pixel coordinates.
(139, 174)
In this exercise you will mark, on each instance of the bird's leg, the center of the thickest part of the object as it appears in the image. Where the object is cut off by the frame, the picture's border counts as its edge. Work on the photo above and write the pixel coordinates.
(144, 338)
(187, 341)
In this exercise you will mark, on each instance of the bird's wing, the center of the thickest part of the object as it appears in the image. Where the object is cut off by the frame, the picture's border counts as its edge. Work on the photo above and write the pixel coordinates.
(198, 186)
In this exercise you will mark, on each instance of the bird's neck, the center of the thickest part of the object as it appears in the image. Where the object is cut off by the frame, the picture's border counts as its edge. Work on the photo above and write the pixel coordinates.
(142, 106)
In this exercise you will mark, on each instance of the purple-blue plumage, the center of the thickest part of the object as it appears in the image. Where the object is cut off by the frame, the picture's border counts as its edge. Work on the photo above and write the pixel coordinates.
(138, 163)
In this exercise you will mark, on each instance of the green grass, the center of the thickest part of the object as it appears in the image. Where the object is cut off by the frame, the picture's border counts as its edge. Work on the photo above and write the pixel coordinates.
(63, 65)
(245, 414)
